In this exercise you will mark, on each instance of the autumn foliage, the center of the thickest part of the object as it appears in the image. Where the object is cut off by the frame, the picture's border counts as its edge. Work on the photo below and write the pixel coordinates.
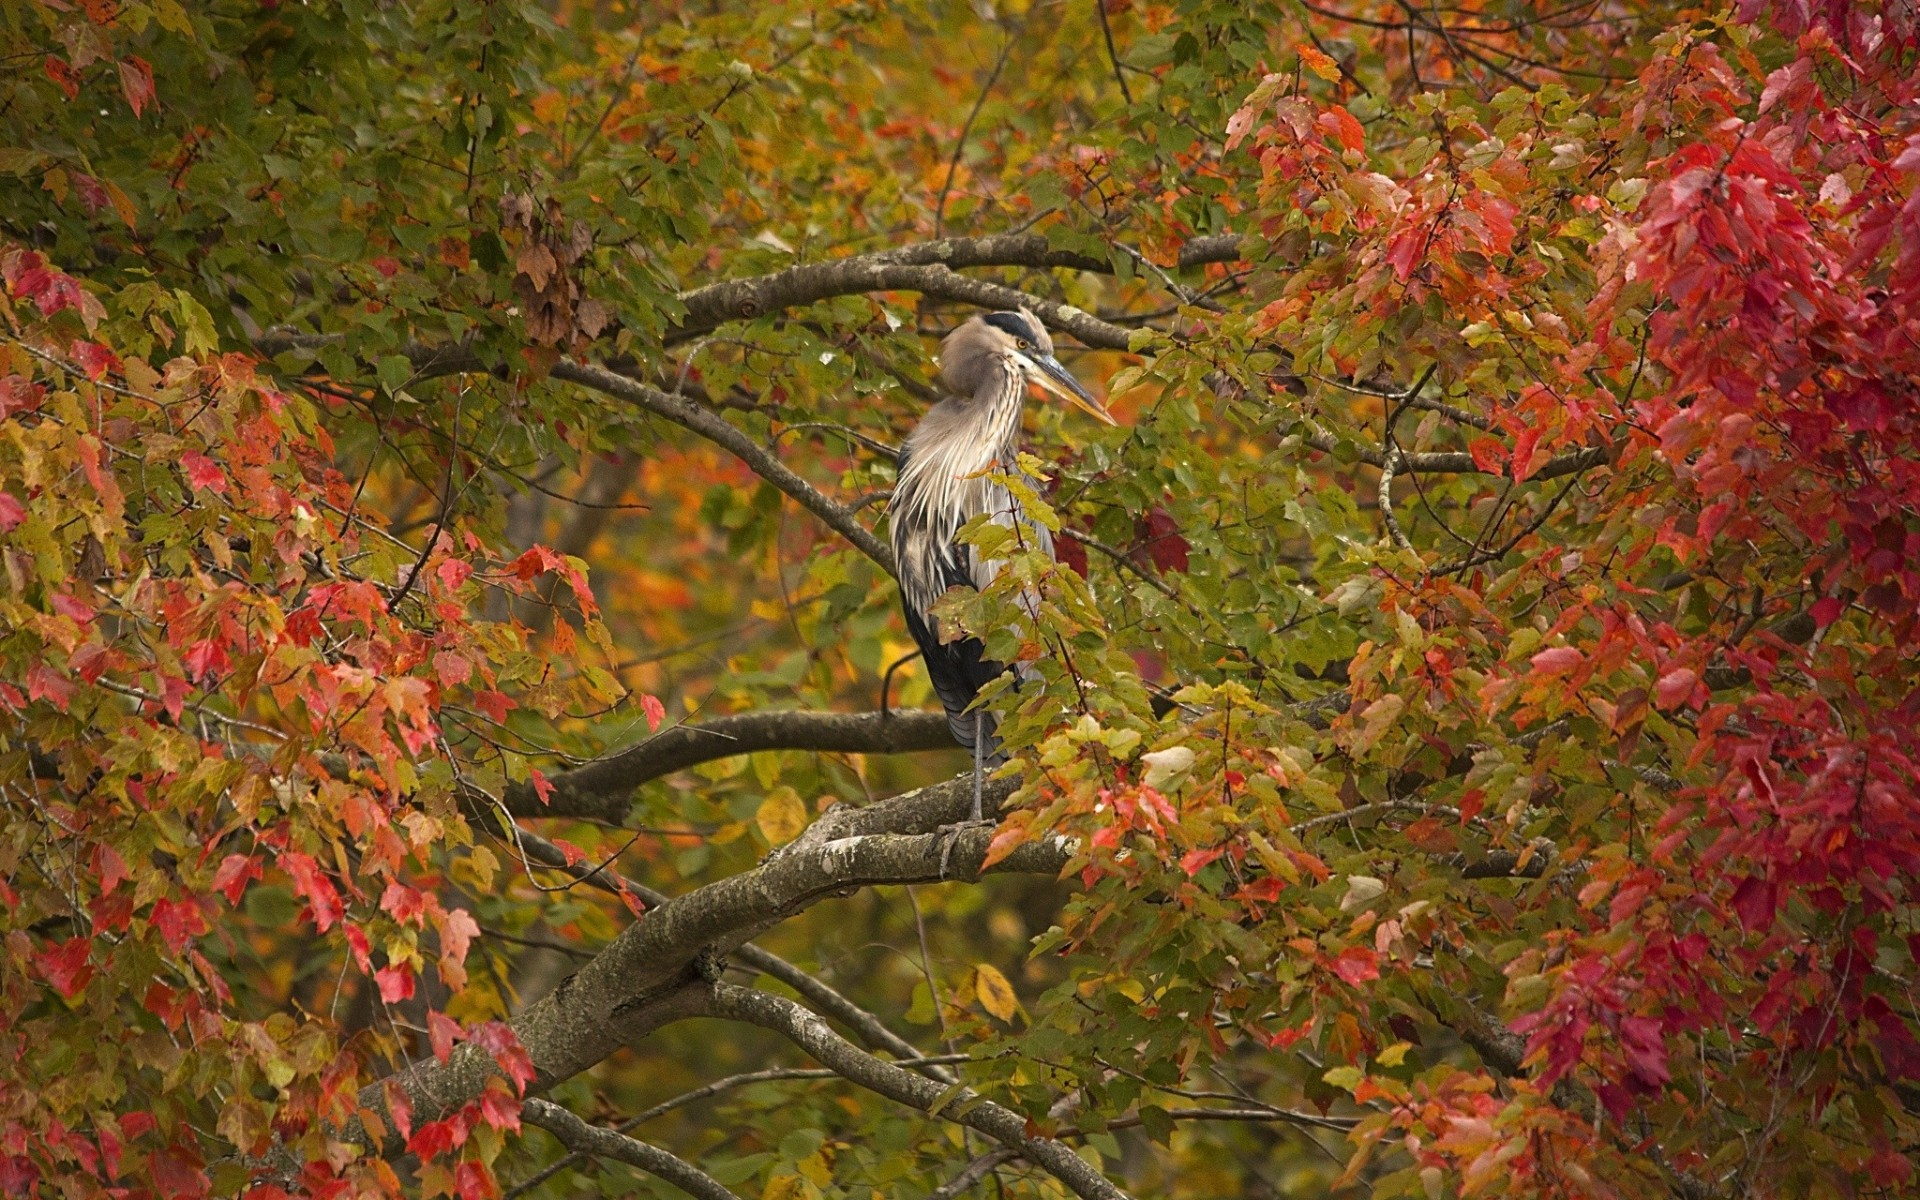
(1472, 730)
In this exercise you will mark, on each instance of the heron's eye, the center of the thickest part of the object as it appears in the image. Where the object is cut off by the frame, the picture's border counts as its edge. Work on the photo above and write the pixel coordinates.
(1023, 343)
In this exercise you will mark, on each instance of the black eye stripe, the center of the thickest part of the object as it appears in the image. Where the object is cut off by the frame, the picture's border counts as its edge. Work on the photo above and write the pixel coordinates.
(1015, 324)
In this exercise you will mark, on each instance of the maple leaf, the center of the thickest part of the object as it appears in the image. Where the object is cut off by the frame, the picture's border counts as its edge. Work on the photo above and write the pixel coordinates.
(202, 472)
(498, 1040)
(68, 966)
(1357, 965)
(178, 921)
(234, 872)
(442, 1032)
(136, 83)
(395, 981)
(323, 899)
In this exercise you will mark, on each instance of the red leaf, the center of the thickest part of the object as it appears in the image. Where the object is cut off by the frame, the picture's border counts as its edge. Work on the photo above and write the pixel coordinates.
(178, 922)
(453, 572)
(541, 787)
(396, 982)
(1675, 687)
(203, 658)
(498, 1040)
(1193, 861)
(452, 669)
(63, 76)
(109, 867)
(399, 1107)
(457, 931)
(404, 904)
(1753, 900)
(231, 879)
(535, 561)
(1164, 545)
(68, 967)
(1357, 965)
(1646, 1050)
(442, 1031)
(323, 901)
(495, 704)
(1489, 454)
(136, 82)
(655, 711)
(176, 1172)
(71, 608)
(437, 1137)
(1826, 610)
(44, 684)
(96, 360)
(11, 513)
(472, 1180)
(1069, 550)
(1522, 459)
(1557, 661)
(499, 1108)
(202, 472)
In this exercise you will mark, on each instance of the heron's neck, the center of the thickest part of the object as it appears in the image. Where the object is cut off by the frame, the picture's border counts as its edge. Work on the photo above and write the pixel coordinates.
(1000, 399)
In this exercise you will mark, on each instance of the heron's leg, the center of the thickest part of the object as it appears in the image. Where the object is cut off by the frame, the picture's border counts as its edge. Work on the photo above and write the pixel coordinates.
(979, 757)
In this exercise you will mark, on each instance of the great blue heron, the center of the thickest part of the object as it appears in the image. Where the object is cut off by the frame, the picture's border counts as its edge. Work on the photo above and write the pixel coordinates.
(986, 365)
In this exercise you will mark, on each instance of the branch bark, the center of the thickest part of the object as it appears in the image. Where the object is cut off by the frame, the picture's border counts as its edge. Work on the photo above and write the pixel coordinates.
(646, 978)
(582, 1138)
(928, 268)
(962, 1105)
(601, 790)
(817, 992)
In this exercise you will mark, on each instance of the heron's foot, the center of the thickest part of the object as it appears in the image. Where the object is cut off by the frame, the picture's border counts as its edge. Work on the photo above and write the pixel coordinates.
(949, 836)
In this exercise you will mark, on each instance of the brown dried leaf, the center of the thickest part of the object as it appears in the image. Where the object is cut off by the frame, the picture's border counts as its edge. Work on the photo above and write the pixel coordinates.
(591, 317)
(536, 263)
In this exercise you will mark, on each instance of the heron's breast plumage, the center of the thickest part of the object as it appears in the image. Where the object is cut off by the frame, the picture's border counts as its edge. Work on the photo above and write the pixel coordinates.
(945, 482)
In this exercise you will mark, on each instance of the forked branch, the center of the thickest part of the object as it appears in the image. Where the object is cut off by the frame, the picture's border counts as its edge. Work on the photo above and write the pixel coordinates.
(962, 1105)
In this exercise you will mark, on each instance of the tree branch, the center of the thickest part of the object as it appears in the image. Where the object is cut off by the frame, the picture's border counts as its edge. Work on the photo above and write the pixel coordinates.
(582, 1138)
(817, 992)
(715, 428)
(928, 268)
(601, 790)
(962, 1105)
(702, 1092)
(645, 977)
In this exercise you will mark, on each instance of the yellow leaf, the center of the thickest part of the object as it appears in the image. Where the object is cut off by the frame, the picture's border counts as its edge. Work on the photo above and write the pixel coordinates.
(995, 993)
(784, 1187)
(782, 816)
(1319, 63)
(1393, 1055)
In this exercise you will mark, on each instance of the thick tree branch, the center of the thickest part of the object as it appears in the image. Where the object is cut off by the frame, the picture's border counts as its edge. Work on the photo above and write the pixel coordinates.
(963, 1105)
(817, 992)
(644, 977)
(601, 790)
(928, 268)
(582, 1138)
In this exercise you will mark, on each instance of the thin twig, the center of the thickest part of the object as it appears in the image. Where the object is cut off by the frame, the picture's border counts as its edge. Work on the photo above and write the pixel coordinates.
(1113, 56)
(953, 163)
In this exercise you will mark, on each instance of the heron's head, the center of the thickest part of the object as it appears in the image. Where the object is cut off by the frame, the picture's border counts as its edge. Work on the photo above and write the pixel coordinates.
(1013, 339)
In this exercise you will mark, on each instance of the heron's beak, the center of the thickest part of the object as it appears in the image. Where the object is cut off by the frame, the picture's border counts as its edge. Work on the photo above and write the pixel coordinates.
(1050, 374)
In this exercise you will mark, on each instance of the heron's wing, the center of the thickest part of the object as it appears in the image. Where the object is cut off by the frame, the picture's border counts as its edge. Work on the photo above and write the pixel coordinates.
(930, 562)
